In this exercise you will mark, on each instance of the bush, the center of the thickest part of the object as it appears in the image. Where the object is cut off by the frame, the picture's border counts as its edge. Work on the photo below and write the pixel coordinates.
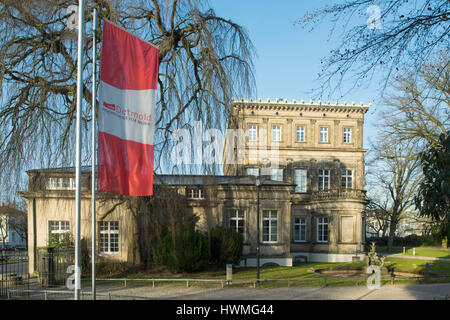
(85, 259)
(186, 252)
(226, 246)
(64, 241)
(113, 268)
(408, 241)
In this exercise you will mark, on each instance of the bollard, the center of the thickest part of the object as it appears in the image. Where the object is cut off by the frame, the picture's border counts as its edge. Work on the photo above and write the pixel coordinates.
(229, 269)
(414, 251)
(403, 250)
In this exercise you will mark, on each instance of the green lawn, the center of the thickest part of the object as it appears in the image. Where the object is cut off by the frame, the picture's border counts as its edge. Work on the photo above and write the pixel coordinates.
(441, 267)
(298, 271)
(420, 251)
(299, 274)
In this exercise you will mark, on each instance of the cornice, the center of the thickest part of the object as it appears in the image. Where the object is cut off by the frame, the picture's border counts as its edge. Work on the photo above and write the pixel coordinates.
(302, 105)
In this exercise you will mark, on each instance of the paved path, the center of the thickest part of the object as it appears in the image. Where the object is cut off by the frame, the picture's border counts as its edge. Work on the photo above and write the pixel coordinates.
(387, 292)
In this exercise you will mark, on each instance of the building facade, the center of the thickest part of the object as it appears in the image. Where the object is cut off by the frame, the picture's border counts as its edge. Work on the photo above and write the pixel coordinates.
(307, 156)
(12, 227)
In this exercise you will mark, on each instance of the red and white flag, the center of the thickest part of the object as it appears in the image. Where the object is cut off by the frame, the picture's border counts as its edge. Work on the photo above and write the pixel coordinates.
(128, 83)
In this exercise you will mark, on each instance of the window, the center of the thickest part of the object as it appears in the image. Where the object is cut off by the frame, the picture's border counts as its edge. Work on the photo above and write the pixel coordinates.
(252, 132)
(60, 183)
(108, 236)
(300, 180)
(58, 230)
(237, 221)
(322, 229)
(276, 133)
(323, 134)
(276, 174)
(270, 226)
(347, 135)
(324, 179)
(347, 179)
(194, 193)
(300, 134)
(299, 229)
(252, 171)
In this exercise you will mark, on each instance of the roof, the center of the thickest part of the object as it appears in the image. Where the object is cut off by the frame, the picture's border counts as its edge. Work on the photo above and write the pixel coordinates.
(212, 180)
(179, 179)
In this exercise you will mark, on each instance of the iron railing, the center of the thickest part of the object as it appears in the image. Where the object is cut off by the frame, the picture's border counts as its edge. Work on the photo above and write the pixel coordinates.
(52, 266)
(14, 272)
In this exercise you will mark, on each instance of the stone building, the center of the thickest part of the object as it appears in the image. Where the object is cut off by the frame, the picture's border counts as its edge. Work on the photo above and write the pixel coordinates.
(307, 156)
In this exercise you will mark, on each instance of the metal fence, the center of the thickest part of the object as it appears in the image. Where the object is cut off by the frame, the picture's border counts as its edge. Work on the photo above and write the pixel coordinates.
(52, 266)
(14, 273)
(117, 289)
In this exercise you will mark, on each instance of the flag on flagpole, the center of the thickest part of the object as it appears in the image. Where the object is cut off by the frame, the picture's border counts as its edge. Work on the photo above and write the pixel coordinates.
(127, 97)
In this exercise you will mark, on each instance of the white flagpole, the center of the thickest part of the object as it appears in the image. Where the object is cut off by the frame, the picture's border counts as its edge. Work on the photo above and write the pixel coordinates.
(93, 187)
(78, 150)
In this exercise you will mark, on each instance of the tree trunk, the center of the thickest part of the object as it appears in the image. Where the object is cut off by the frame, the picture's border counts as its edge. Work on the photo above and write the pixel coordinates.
(134, 254)
(392, 228)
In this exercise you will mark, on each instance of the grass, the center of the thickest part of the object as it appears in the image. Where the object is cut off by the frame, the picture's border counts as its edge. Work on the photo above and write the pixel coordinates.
(272, 277)
(433, 252)
(413, 265)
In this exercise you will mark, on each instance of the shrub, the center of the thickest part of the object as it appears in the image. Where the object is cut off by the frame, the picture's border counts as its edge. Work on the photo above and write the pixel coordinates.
(113, 268)
(64, 241)
(186, 252)
(226, 246)
(85, 260)
(408, 241)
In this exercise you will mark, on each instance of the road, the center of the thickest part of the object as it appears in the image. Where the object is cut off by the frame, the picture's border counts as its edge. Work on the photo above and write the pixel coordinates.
(387, 292)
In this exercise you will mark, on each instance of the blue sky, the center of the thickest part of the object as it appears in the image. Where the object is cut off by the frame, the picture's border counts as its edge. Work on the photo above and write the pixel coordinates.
(289, 57)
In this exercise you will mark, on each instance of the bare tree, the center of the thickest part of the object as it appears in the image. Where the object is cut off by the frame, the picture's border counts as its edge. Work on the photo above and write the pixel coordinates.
(204, 61)
(397, 176)
(392, 35)
(418, 107)
(416, 113)
(377, 215)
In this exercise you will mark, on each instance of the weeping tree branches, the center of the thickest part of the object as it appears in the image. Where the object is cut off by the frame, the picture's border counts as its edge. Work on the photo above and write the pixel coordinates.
(204, 61)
